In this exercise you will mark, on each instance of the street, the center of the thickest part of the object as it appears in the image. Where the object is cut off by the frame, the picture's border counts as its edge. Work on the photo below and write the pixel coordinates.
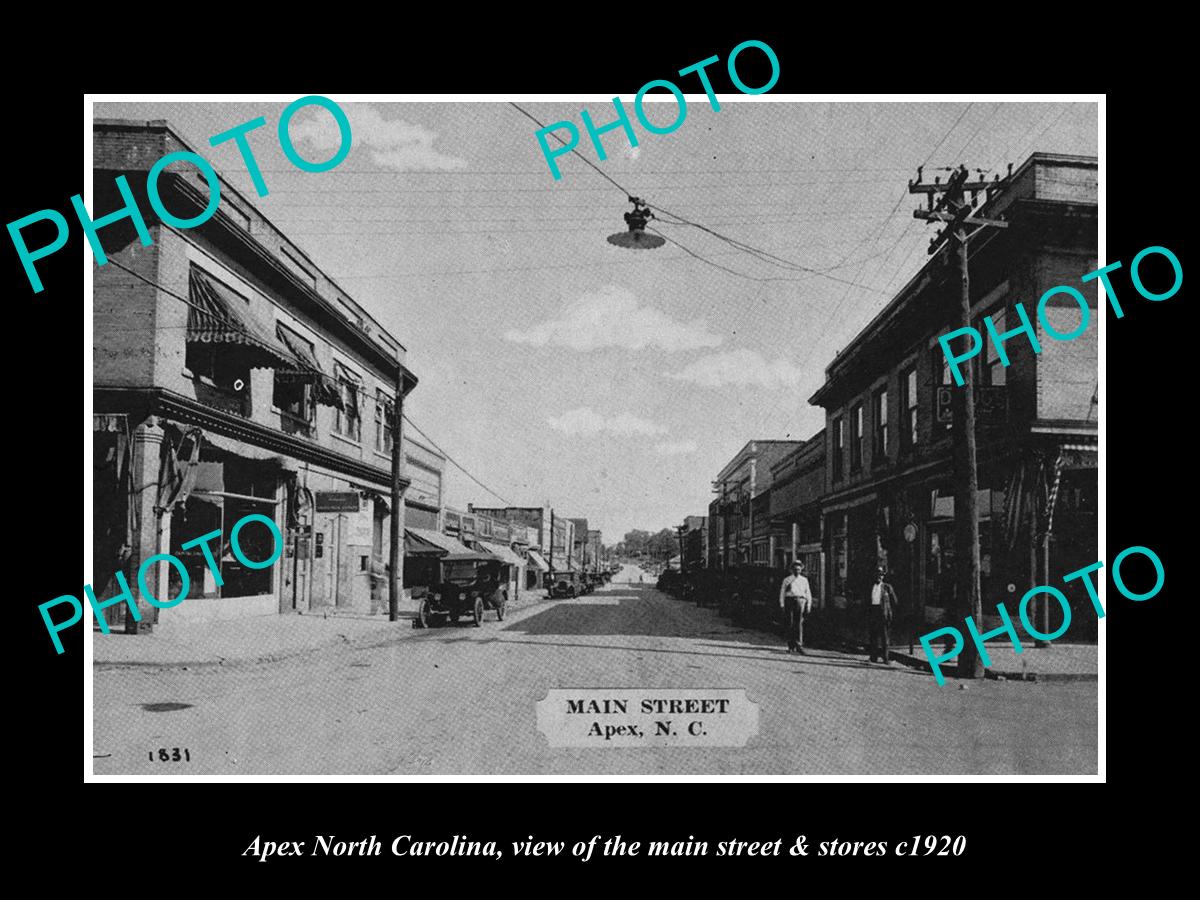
(461, 700)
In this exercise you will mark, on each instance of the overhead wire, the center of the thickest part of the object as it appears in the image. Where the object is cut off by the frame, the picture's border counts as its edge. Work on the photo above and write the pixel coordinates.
(456, 463)
(754, 252)
(236, 326)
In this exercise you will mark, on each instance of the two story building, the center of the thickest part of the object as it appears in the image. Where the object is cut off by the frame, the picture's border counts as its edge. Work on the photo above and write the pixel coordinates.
(740, 530)
(888, 398)
(233, 377)
(797, 488)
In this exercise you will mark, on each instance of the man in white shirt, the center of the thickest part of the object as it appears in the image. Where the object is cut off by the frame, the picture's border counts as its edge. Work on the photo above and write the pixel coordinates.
(879, 616)
(795, 599)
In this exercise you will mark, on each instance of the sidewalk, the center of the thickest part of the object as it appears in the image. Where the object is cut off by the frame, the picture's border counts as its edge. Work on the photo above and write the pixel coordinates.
(260, 639)
(1058, 662)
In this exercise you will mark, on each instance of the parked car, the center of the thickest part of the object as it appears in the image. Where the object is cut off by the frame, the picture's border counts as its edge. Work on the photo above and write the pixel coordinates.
(465, 584)
(750, 596)
(564, 584)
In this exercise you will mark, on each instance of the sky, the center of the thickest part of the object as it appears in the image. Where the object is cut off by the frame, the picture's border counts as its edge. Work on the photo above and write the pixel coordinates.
(615, 384)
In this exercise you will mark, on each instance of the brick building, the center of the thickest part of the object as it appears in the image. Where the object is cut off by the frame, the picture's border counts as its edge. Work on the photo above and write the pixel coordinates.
(797, 488)
(232, 376)
(739, 519)
(888, 395)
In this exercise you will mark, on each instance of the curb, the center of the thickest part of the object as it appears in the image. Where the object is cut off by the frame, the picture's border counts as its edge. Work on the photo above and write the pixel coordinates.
(365, 642)
(997, 675)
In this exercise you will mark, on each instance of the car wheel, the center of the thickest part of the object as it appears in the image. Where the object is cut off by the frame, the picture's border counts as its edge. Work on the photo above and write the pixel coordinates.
(423, 615)
(478, 611)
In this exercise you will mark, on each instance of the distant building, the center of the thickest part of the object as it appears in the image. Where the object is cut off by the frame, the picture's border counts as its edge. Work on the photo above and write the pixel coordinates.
(797, 489)
(425, 468)
(579, 542)
(695, 542)
(549, 552)
(740, 529)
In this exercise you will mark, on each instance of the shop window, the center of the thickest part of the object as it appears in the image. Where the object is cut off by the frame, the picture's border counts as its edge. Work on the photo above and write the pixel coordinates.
(939, 566)
(841, 552)
(909, 380)
(839, 447)
(204, 513)
(856, 438)
(348, 420)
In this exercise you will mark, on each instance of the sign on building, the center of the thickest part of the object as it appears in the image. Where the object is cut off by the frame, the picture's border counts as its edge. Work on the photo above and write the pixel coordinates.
(338, 501)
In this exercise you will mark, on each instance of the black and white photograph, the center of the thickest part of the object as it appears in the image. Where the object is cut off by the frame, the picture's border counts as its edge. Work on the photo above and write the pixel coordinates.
(697, 434)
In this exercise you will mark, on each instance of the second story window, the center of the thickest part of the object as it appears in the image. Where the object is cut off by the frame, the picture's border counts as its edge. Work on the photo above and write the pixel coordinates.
(880, 415)
(909, 380)
(994, 372)
(838, 429)
(348, 419)
(294, 396)
(384, 418)
(856, 438)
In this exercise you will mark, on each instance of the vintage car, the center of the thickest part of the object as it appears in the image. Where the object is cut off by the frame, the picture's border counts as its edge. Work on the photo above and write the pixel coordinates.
(465, 584)
(751, 596)
(563, 584)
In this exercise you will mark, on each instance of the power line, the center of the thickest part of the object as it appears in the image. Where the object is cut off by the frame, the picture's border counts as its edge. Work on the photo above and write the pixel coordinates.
(454, 461)
(235, 326)
(761, 255)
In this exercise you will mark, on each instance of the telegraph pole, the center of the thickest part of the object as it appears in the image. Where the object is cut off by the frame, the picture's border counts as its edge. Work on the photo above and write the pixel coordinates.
(953, 209)
(395, 561)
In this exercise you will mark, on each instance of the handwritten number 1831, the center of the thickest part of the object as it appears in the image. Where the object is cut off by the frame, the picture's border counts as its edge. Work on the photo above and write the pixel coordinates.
(172, 755)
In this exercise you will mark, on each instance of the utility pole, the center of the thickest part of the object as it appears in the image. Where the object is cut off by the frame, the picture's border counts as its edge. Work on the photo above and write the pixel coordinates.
(396, 581)
(681, 530)
(953, 209)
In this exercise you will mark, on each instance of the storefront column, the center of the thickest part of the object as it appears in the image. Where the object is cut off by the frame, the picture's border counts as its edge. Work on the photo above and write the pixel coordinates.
(147, 452)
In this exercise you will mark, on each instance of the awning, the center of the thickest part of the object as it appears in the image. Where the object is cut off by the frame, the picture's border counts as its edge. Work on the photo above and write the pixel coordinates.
(427, 542)
(325, 388)
(504, 552)
(217, 315)
(538, 562)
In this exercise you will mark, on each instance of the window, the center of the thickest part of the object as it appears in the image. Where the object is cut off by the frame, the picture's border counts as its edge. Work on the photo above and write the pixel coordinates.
(348, 421)
(943, 384)
(384, 413)
(994, 372)
(909, 380)
(839, 447)
(292, 395)
(226, 492)
(881, 426)
(856, 438)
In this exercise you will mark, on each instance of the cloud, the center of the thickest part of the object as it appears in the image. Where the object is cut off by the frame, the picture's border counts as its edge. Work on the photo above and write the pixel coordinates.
(612, 317)
(585, 420)
(392, 143)
(675, 448)
(747, 368)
